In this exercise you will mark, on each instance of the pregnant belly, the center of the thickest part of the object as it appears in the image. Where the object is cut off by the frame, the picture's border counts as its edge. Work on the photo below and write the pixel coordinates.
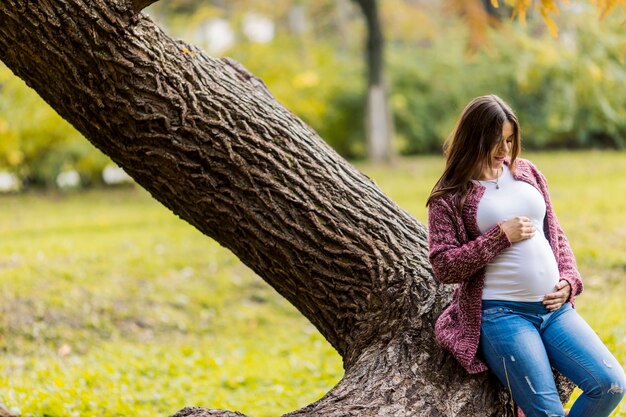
(526, 271)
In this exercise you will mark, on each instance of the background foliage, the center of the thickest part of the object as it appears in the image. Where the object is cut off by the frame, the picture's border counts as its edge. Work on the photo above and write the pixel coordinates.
(567, 91)
(35, 142)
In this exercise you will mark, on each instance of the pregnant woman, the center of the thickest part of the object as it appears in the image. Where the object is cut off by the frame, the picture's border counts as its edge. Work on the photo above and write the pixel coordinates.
(494, 233)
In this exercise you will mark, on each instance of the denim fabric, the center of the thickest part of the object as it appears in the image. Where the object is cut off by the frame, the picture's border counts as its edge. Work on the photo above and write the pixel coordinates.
(520, 341)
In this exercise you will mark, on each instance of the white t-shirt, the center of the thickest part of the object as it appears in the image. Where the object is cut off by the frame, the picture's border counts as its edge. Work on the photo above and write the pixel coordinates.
(527, 270)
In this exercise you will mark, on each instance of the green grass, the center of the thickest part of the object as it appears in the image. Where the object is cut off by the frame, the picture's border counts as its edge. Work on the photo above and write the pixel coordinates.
(111, 306)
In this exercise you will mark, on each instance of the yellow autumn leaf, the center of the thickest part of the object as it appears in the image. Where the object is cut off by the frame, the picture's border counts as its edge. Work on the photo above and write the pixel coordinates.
(549, 6)
(520, 8)
(552, 26)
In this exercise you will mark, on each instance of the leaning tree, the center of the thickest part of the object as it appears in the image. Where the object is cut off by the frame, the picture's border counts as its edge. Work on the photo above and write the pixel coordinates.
(207, 140)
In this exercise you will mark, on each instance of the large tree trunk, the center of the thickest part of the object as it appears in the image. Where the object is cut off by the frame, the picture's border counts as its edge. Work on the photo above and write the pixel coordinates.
(207, 140)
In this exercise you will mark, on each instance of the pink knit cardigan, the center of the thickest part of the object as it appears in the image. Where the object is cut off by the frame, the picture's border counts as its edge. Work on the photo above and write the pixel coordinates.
(459, 254)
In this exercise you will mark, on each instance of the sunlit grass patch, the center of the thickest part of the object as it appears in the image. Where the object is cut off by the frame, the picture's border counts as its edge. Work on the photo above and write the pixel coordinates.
(264, 375)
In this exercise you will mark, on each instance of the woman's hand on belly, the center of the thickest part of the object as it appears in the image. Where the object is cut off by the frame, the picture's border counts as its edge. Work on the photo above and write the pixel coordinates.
(553, 301)
(518, 228)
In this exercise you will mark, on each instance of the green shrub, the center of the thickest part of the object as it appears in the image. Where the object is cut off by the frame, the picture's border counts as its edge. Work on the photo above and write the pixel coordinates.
(567, 92)
(36, 143)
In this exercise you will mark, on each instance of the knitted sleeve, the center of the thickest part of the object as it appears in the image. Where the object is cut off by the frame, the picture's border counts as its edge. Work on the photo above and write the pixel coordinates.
(567, 265)
(452, 259)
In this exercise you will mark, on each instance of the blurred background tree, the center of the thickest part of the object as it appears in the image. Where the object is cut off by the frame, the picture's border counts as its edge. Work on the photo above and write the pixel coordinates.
(378, 119)
(566, 86)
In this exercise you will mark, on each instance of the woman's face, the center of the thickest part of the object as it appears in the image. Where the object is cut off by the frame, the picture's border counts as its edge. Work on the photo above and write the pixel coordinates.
(503, 147)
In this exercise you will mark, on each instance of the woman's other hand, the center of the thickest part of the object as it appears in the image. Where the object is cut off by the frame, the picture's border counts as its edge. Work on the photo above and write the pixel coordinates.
(555, 300)
(518, 228)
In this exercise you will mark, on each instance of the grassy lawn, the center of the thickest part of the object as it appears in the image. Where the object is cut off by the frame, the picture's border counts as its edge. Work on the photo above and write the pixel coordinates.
(111, 306)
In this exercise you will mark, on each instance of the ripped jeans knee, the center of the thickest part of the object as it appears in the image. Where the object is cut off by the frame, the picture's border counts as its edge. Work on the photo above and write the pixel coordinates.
(521, 342)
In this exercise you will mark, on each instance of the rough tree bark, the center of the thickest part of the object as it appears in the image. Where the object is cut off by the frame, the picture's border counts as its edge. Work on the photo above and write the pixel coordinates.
(208, 140)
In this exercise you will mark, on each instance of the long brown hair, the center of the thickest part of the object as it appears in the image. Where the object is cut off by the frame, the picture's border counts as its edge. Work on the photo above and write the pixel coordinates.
(468, 147)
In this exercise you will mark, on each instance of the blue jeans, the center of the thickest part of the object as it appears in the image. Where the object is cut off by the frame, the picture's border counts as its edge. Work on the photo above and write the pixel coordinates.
(520, 341)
